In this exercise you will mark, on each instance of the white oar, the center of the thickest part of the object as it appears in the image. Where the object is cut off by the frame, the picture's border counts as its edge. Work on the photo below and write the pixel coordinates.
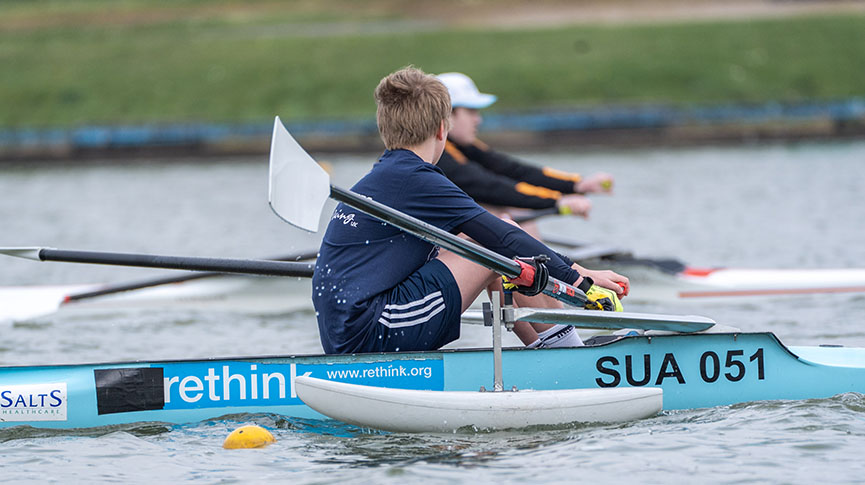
(299, 187)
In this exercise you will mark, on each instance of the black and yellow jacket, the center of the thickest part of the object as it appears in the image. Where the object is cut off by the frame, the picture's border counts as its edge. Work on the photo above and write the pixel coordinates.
(494, 178)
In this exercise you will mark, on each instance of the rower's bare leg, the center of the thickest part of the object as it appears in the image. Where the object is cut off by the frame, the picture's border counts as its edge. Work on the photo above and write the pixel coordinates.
(472, 278)
(532, 334)
(528, 332)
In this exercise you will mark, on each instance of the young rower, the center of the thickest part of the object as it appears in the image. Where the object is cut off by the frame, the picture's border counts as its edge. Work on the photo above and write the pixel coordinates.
(378, 289)
(499, 181)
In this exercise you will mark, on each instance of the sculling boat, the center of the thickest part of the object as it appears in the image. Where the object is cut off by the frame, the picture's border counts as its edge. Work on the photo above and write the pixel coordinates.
(694, 371)
(692, 368)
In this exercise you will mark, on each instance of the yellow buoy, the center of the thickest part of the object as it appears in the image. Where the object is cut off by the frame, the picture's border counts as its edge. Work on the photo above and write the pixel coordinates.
(250, 436)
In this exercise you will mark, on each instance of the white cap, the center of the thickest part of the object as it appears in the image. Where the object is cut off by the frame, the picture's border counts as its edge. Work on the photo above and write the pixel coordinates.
(464, 93)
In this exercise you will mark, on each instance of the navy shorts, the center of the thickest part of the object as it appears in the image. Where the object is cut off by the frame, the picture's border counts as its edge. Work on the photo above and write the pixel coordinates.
(421, 313)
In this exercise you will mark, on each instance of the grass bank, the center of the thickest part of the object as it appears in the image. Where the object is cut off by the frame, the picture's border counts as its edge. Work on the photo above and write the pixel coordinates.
(133, 61)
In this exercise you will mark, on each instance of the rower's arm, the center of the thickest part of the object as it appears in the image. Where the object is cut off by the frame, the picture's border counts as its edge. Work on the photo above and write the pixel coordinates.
(487, 187)
(513, 168)
(511, 241)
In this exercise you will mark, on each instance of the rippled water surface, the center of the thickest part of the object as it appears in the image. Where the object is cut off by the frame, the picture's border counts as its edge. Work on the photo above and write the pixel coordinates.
(769, 206)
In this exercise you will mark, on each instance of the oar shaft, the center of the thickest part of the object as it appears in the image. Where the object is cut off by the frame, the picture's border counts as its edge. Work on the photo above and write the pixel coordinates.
(220, 265)
(167, 280)
(429, 233)
(565, 293)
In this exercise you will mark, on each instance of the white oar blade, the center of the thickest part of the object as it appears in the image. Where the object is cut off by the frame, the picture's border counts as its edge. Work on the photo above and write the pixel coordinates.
(26, 252)
(299, 187)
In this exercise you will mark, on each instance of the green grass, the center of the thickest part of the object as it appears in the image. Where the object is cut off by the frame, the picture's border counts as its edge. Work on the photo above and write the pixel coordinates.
(205, 64)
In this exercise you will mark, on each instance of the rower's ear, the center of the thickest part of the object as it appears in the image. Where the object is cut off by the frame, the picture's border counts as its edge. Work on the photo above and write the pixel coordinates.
(442, 132)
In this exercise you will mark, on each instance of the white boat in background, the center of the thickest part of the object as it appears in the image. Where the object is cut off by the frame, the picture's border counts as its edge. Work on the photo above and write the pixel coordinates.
(659, 280)
(736, 282)
(18, 303)
(229, 294)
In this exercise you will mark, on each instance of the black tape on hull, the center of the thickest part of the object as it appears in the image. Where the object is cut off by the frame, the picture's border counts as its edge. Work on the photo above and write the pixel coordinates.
(129, 389)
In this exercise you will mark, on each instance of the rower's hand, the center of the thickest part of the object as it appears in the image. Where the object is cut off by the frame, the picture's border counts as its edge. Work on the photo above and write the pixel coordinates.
(599, 182)
(607, 279)
(598, 298)
(574, 204)
(603, 299)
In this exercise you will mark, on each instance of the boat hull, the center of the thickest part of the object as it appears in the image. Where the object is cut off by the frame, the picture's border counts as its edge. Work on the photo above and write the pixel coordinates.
(694, 371)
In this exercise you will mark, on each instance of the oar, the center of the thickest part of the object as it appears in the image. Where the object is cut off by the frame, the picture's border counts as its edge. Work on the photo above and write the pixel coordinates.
(36, 304)
(299, 187)
(187, 263)
(167, 280)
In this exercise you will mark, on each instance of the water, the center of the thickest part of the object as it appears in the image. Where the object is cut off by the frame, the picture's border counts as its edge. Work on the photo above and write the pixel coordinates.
(769, 206)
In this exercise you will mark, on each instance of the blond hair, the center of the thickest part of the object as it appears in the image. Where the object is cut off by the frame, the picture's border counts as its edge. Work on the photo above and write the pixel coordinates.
(411, 107)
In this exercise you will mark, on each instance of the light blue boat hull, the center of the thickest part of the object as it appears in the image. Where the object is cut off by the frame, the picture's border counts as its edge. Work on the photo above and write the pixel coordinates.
(695, 371)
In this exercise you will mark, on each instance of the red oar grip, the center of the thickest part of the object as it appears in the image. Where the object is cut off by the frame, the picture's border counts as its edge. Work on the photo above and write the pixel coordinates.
(527, 274)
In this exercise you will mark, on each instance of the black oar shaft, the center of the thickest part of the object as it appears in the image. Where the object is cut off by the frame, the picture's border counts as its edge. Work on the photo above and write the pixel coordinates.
(429, 233)
(219, 265)
(167, 280)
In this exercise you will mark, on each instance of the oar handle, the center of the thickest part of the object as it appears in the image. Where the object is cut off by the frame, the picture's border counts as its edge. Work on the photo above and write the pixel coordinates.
(219, 265)
(565, 293)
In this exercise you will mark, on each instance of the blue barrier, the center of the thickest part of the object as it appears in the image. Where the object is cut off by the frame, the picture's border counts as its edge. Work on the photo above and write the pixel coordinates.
(613, 117)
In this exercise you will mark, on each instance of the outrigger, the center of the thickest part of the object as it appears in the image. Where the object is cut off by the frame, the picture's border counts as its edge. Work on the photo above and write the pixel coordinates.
(677, 362)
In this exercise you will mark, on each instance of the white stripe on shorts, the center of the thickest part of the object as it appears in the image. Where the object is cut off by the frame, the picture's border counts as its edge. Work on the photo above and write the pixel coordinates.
(414, 303)
(410, 323)
(394, 315)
